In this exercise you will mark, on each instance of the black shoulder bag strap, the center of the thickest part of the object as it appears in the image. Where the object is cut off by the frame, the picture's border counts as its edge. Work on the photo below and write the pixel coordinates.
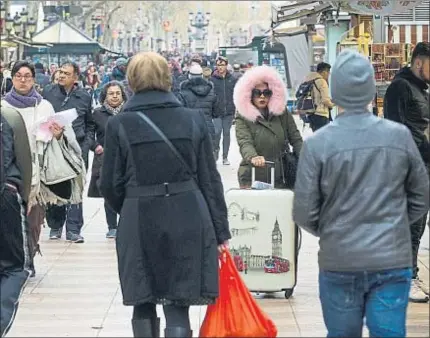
(167, 141)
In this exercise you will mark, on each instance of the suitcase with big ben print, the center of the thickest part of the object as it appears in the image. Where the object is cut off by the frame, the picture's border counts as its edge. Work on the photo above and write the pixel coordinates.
(265, 239)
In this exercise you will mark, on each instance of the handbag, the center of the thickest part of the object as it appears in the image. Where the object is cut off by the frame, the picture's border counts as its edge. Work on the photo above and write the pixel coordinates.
(59, 163)
(167, 141)
(289, 162)
(236, 313)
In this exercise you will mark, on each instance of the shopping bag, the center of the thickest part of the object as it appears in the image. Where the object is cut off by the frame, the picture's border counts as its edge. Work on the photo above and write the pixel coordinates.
(235, 313)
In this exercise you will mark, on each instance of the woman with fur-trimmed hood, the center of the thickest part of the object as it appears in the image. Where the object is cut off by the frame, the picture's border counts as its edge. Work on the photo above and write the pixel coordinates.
(263, 124)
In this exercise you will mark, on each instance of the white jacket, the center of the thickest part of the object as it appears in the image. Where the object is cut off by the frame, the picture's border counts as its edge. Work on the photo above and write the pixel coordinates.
(33, 117)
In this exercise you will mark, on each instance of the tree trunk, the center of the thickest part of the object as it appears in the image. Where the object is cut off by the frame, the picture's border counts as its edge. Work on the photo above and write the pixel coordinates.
(107, 34)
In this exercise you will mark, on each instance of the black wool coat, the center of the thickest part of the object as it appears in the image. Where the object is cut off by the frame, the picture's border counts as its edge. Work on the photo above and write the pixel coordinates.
(166, 244)
(100, 116)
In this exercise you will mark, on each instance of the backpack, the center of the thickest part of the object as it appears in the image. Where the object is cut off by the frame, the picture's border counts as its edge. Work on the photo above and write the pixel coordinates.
(22, 148)
(304, 98)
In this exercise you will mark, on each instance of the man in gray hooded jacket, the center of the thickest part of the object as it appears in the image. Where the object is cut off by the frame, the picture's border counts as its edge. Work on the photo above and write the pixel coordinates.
(361, 185)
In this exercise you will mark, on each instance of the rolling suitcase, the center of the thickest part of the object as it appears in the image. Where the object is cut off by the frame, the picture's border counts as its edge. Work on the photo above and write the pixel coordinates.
(265, 240)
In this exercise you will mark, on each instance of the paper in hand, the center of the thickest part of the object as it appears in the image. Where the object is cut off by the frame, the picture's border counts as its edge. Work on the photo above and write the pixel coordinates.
(66, 117)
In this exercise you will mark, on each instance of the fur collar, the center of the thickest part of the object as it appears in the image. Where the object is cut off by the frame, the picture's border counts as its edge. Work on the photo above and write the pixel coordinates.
(242, 92)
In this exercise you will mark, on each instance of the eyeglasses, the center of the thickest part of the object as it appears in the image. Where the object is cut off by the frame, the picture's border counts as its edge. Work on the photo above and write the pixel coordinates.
(266, 93)
(114, 93)
(25, 77)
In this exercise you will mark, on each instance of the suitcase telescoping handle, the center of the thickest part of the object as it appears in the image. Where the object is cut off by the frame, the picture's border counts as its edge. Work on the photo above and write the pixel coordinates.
(268, 164)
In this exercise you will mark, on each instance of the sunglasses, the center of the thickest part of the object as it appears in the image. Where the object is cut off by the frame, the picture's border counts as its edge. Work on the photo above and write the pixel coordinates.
(265, 93)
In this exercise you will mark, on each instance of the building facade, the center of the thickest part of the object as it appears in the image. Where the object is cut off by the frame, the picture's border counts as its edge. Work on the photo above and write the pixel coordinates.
(411, 26)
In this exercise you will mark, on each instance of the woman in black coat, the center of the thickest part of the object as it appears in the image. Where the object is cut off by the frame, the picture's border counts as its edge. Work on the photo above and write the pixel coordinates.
(112, 97)
(173, 215)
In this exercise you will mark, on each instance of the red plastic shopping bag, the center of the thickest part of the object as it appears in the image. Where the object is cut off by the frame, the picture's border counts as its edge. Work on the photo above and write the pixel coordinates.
(235, 313)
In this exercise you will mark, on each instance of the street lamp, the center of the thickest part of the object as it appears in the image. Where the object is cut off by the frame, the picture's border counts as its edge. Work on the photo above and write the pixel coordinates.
(9, 23)
(2, 10)
(128, 37)
(24, 26)
(2, 17)
(200, 20)
(93, 26)
(218, 34)
(175, 36)
(139, 38)
(120, 40)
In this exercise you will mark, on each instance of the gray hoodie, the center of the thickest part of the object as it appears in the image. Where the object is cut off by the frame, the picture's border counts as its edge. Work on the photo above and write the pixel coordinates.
(361, 182)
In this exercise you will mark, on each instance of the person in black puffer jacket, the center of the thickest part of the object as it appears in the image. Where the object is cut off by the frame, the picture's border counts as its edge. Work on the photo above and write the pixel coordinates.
(407, 102)
(198, 93)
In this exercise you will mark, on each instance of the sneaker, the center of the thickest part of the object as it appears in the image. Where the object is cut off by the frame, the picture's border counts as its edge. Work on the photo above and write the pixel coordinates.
(225, 162)
(416, 294)
(55, 234)
(74, 238)
(111, 233)
(423, 286)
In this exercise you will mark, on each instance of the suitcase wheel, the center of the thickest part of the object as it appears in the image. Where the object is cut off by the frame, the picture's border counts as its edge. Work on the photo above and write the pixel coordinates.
(288, 293)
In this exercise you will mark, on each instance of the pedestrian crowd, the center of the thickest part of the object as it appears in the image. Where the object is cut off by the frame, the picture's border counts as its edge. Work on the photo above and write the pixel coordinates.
(155, 123)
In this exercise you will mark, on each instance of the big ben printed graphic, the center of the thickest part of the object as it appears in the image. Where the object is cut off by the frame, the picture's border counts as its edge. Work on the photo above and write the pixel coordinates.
(276, 241)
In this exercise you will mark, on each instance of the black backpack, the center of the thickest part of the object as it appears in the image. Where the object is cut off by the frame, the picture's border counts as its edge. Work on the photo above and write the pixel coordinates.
(304, 98)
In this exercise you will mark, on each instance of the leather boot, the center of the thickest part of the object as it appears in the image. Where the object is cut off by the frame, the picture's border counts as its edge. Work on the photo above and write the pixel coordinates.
(146, 328)
(177, 332)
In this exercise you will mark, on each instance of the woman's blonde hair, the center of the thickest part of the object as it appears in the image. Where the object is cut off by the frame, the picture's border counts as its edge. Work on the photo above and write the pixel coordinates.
(149, 71)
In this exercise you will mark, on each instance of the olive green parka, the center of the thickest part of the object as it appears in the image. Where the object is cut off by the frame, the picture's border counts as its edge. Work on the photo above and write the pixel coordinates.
(258, 136)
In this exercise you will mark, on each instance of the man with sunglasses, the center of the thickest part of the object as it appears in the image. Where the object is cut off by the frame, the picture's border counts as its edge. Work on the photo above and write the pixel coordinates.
(225, 109)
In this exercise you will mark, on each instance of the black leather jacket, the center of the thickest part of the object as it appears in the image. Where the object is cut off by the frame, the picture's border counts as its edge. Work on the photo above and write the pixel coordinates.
(407, 102)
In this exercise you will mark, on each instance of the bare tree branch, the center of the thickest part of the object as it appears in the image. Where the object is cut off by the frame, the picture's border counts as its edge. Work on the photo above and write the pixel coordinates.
(92, 9)
(107, 32)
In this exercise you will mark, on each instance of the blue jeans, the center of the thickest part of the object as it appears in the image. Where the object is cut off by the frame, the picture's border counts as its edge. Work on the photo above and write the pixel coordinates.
(222, 127)
(381, 297)
(111, 216)
(72, 215)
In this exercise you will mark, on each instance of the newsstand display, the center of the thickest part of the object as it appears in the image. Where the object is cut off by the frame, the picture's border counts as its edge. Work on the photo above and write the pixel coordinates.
(387, 59)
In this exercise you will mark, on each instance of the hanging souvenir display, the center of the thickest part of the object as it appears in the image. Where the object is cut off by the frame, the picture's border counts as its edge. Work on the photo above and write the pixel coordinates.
(376, 7)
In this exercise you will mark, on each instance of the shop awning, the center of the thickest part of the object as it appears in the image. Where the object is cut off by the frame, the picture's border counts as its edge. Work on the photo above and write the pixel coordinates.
(14, 41)
(107, 50)
(297, 10)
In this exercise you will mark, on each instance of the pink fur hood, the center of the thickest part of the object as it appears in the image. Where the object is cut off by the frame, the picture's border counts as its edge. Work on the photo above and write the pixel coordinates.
(245, 85)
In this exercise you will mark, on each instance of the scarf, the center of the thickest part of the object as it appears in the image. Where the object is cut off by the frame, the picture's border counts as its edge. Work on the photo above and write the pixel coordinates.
(32, 99)
(113, 110)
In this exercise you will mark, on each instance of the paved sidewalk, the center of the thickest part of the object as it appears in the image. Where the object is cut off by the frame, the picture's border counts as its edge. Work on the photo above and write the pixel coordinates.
(76, 291)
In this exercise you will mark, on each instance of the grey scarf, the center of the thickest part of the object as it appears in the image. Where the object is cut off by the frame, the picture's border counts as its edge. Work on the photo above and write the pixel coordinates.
(113, 110)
